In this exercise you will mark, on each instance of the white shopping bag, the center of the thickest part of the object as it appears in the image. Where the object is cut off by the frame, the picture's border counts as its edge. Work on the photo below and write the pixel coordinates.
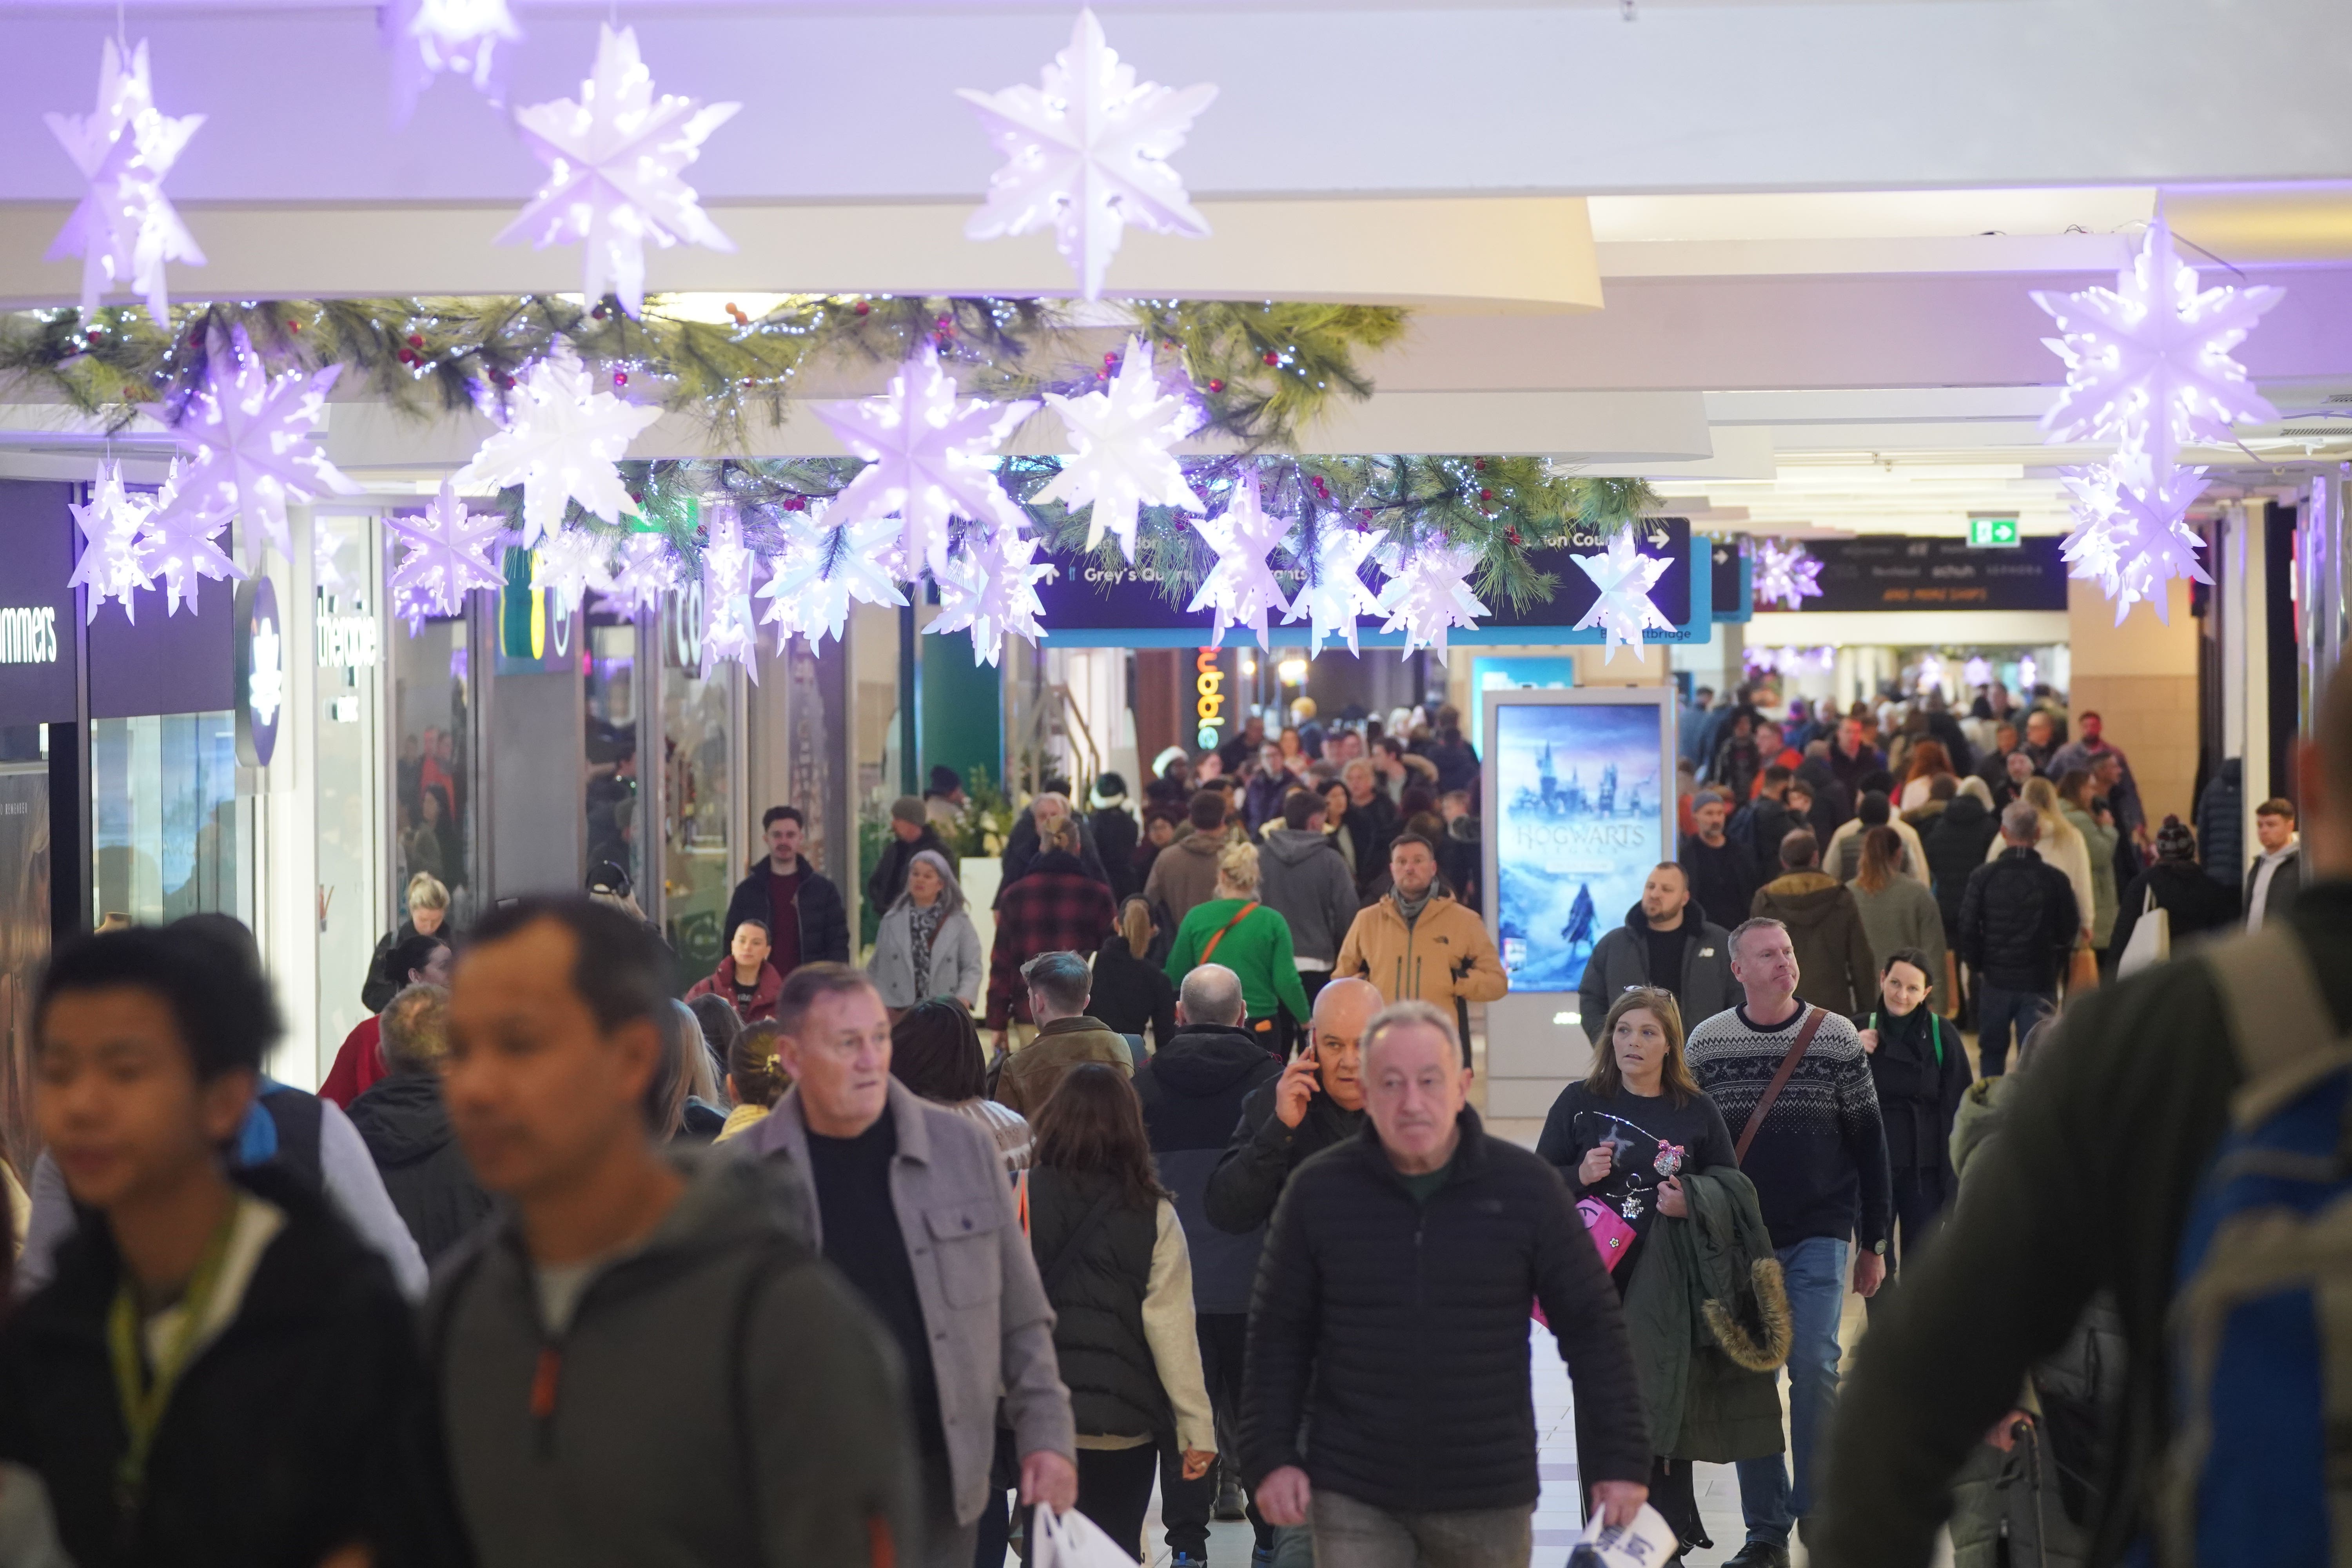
(2151, 939)
(1072, 1540)
(1648, 1542)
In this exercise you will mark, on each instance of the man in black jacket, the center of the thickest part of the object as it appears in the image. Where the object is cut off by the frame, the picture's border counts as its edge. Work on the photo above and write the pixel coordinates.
(1390, 1325)
(912, 833)
(1192, 1092)
(1317, 1101)
(807, 921)
(2017, 926)
(1666, 942)
(1116, 834)
(1723, 876)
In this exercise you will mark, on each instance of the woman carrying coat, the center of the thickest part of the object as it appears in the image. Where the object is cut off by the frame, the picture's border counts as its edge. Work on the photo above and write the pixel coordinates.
(926, 945)
(1897, 913)
(1921, 1072)
(1112, 1257)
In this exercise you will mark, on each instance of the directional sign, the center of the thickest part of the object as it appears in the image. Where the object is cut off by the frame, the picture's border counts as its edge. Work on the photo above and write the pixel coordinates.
(1987, 532)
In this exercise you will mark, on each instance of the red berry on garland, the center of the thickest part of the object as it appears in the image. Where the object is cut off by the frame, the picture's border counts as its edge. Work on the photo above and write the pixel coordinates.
(796, 503)
(946, 324)
(1480, 464)
(860, 308)
(1216, 385)
(1271, 357)
(1486, 495)
(1111, 358)
(620, 378)
(416, 340)
(597, 313)
(293, 326)
(1512, 534)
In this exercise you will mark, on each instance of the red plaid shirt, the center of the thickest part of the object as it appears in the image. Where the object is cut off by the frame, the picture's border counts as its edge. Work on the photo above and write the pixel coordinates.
(1048, 910)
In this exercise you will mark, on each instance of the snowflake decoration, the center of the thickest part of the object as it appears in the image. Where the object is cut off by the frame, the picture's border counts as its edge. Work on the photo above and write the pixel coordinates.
(1331, 592)
(991, 589)
(113, 564)
(560, 443)
(1240, 590)
(1123, 463)
(1088, 152)
(327, 574)
(125, 228)
(2131, 533)
(248, 437)
(567, 564)
(634, 580)
(727, 629)
(1788, 576)
(1625, 577)
(459, 38)
(179, 548)
(449, 554)
(1427, 594)
(820, 572)
(2153, 353)
(1932, 671)
(1977, 672)
(929, 458)
(613, 159)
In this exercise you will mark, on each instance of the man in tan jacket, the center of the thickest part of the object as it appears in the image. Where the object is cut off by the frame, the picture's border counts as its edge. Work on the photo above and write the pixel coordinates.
(1418, 943)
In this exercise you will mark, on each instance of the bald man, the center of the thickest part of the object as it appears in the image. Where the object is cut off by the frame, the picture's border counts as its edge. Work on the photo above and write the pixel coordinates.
(1317, 1101)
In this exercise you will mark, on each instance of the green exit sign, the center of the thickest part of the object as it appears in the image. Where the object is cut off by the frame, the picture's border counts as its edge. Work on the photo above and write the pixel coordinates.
(1993, 532)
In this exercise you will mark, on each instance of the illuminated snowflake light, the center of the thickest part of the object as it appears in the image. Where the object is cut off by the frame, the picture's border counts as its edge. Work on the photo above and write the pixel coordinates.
(632, 581)
(990, 588)
(1428, 592)
(179, 548)
(820, 572)
(1124, 436)
(1977, 672)
(1625, 577)
(728, 631)
(248, 437)
(125, 228)
(1788, 576)
(457, 37)
(560, 442)
(567, 564)
(1240, 590)
(1086, 152)
(113, 564)
(451, 552)
(1332, 593)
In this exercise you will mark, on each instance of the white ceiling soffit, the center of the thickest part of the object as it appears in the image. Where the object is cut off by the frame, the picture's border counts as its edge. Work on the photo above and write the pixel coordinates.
(1865, 628)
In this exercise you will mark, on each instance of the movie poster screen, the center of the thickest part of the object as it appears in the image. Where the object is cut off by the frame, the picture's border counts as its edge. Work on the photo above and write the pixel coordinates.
(1580, 826)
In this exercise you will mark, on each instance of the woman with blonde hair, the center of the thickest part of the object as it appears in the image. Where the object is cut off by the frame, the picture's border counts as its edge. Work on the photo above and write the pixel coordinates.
(756, 1080)
(427, 901)
(1235, 929)
(1131, 993)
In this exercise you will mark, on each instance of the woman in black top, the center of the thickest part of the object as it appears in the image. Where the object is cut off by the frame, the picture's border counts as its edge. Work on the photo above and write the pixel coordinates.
(1131, 991)
(1622, 1138)
(1920, 1072)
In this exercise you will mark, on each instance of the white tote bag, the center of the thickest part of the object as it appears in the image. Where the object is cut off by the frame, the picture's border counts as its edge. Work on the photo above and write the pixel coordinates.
(2151, 940)
(1072, 1540)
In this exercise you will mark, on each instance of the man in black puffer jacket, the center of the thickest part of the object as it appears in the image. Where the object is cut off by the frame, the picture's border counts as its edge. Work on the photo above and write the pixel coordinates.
(1192, 1092)
(406, 1124)
(2019, 923)
(1316, 1102)
(1390, 1325)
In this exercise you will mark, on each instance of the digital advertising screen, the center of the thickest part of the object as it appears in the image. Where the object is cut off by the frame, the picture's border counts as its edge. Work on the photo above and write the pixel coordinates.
(1580, 800)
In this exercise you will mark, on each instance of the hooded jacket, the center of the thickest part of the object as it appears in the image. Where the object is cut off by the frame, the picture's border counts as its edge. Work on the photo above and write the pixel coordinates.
(1701, 984)
(405, 1125)
(1303, 878)
(671, 1419)
(1192, 1093)
(1444, 956)
(1835, 967)
(1183, 876)
(1955, 844)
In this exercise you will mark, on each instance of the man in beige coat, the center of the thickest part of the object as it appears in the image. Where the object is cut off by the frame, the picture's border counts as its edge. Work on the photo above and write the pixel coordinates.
(1418, 943)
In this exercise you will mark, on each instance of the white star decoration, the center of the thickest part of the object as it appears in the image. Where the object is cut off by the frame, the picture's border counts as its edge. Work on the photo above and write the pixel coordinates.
(561, 440)
(1240, 589)
(1427, 594)
(1332, 595)
(459, 36)
(929, 458)
(247, 436)
(991, 589)
(1625, 576)
(1086, 152)
(449, 554)
(612, 160)
(125, 228)
(567, 564)
(113, 564)
(632, 580)
(727, 629)
(1788, 576)
(822, 570)
(1123, 436)
(180, 548)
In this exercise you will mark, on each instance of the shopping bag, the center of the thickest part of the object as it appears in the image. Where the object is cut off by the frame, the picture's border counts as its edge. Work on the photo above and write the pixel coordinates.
(1648, 1542)
(1072, 1540)
(2151, 939)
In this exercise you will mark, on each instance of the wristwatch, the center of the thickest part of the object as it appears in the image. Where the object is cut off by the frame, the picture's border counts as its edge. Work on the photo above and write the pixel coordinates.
(1879, 1248)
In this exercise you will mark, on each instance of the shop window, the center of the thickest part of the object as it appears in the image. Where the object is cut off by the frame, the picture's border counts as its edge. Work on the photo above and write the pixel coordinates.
(609, 689)
(25, 914)
(164, 820)
(701, 862)
(435, 771)
(348, 753)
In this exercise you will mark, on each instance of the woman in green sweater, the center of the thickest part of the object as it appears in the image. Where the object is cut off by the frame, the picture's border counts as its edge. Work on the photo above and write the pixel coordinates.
(1252, 941)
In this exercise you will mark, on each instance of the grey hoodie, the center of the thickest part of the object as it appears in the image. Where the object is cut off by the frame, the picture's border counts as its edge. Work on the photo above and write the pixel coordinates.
(719, 1396)
(1303, 878)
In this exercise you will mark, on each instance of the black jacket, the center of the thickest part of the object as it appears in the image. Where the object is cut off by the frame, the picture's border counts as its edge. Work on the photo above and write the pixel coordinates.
(1260, 1153)
(1021, 849)
(1723, 877)
(2191, 900)
(824, 919)
(1117, 833)
(1621, 959)
(1130, 993)
(1956, 843)
(306, 1426)
(1192, 1093)
(383, 985)
(1098, 1292)
(2018, 921)
(1760, 825)
(1396, 1331)
(407, 1128)
(1370, 827)
(1919, 1087)
(889, 877)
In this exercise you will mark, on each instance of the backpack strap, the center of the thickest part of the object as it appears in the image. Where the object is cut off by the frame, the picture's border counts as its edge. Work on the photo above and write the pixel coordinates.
(2280, 1025)
(1240, 915)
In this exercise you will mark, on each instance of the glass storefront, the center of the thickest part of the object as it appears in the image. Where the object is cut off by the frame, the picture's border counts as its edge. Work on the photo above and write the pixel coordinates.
(25, 916)
(347, 761)
(609, 689)
(433, 823)
(165, 821)
(701, 862)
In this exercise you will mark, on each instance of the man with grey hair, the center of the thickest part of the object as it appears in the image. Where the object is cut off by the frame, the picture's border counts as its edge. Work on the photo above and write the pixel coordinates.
(2019, 923)
(1388, 1398)
(1192, 1092)
(1794, 1087)
(1060, 985)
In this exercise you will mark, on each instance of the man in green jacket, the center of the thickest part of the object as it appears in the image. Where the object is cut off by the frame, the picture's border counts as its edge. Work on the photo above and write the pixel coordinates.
(2087, 1189)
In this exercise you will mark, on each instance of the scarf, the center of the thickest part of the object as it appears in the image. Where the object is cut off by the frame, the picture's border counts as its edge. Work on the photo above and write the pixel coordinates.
(1411, 908)
(925, 924)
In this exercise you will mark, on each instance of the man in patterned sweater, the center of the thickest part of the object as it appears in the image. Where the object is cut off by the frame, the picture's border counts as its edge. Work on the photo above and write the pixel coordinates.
(1818, 1157)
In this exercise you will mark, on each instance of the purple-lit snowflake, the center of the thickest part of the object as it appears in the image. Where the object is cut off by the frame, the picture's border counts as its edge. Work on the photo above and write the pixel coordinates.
(1787, 577)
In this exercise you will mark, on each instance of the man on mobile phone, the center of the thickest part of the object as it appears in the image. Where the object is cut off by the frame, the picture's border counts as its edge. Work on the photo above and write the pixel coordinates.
(1317, 1101)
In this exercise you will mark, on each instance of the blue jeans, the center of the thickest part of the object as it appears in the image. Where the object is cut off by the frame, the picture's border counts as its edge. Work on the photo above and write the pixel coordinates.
(1814, 1272)
(1997, 1008)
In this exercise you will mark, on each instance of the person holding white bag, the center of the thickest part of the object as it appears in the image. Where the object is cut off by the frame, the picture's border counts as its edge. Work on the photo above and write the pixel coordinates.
(2169, 902)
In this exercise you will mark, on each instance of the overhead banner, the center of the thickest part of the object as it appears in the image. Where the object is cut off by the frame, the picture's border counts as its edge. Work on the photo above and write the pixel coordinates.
(1734, 578)
(39, 681)
(1891, 572)
(1089, 603)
